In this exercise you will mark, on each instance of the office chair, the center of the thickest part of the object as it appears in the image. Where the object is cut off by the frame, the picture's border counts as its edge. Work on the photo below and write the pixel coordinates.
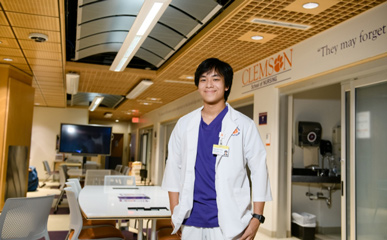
(91, 165)
(77, 231)
(96, 177)
(125, 170)
(118, 168)
(77, 183)
(62, 181)
(119, 180)
(164, 230)
(48, 172)
(25, 218)
(76, 186)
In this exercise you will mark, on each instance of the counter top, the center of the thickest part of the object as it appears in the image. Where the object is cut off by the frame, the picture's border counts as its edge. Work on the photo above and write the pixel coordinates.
(316, 179)
(303, 175)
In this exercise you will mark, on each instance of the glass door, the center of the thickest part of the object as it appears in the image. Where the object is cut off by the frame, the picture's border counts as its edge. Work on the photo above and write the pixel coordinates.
(365, 158)
(146, 154)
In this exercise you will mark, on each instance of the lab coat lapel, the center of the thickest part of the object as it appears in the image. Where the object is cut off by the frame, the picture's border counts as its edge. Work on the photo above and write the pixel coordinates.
(192, 139)
(228, 127)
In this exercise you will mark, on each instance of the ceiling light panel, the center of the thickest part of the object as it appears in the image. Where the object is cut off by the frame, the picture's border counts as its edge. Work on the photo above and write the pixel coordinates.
(140, 88)
(146, 19)
(278, 23)
(95, 103)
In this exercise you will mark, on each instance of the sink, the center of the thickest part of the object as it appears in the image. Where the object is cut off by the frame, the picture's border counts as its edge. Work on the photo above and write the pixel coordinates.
(313, 176)
(310, 172)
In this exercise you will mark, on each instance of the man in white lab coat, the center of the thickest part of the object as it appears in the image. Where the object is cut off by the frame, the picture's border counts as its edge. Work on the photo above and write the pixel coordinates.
(206, 172)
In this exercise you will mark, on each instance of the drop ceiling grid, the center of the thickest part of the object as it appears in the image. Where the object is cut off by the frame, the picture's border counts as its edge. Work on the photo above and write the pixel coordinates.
(52, 83)
(164, 92)
(44, 62)
(105, 82)
(20, 60)
(23, 33)
(37, 68)
(44, 46)
(38, 7)
(13, 52)
(3, 20)
(42, 54)
(24, 24)
(6, 32)
(39, 16)
(33, 21)
(23, 67)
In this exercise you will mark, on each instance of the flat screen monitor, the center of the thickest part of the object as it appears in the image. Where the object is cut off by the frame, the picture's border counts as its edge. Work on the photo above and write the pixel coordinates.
(85, 139)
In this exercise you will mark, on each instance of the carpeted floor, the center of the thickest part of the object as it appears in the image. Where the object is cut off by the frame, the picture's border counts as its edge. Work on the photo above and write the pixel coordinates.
(61, 235)
(63, 207)
(61, 210)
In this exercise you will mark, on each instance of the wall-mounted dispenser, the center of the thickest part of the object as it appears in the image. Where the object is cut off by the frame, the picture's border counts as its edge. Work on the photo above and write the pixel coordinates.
(309, 134)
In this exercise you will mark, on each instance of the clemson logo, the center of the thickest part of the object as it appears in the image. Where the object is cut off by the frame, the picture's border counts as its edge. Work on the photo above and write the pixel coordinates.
(278, 63)
(236, 132)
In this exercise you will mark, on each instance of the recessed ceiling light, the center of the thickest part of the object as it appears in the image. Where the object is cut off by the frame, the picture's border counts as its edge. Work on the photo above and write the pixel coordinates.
(145, 103)
(257, 37)
(190, 77)
(310, 5)
(117, 120)
(153, 99)
(8, 59)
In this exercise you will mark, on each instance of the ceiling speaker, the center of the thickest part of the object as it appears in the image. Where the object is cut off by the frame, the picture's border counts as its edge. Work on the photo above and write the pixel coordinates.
(72, 82)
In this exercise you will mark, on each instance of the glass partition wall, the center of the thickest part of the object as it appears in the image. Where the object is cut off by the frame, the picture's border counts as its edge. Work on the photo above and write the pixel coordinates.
(365, 162)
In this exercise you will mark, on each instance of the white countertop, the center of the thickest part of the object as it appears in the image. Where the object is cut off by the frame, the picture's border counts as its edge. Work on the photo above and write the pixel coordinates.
(103, 202)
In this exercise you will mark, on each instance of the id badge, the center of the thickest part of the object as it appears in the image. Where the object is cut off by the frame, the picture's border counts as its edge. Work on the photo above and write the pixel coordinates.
(220, 150)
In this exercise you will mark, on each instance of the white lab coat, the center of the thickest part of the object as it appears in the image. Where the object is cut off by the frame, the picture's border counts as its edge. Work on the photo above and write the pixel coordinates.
(231, 180)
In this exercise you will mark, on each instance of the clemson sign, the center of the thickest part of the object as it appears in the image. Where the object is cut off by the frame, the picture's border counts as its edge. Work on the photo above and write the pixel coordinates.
(265, 72)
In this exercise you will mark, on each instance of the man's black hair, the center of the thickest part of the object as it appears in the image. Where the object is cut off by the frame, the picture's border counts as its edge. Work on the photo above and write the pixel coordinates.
(222, 68)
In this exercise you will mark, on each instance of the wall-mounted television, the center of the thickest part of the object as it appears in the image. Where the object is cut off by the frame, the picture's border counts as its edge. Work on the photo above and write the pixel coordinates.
(85, 139)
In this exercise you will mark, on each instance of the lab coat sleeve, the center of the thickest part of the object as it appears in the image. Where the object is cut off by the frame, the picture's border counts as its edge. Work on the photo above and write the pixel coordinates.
(172, 171)
(255, 155)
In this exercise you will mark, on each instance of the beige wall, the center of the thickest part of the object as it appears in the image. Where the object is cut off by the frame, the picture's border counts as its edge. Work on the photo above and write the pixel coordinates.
(45, 128)
(120, 127)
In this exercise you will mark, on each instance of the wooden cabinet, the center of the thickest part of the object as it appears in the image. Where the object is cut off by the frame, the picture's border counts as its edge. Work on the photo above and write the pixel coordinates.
(16, 112)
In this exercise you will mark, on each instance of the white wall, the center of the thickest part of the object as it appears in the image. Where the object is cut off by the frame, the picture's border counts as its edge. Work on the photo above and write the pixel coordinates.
(45, 127)
(325, 112)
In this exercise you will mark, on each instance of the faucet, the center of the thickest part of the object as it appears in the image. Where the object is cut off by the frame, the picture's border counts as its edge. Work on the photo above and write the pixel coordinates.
(326, 156)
